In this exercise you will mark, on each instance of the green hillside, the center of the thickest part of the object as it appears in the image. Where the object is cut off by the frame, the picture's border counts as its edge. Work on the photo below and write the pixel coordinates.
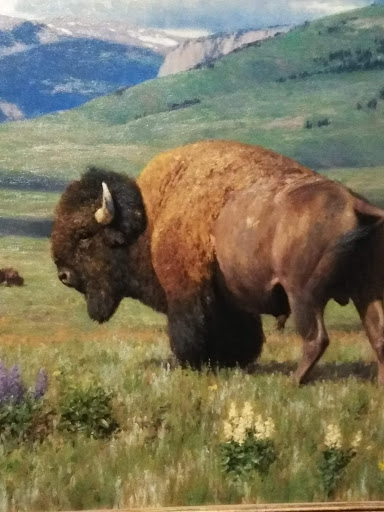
(316, 94)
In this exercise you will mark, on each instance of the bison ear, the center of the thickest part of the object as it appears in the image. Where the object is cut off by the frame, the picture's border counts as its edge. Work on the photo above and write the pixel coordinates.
(130, 217)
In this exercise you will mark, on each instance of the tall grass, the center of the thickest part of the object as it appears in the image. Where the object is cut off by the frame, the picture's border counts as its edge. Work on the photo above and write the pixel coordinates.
(167, 451)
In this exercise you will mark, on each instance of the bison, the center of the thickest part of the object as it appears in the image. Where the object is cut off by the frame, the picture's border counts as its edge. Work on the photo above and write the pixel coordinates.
(10, 277)
(216, 233)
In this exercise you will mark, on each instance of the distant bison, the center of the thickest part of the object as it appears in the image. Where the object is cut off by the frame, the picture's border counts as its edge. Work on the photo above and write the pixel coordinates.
(216, 233)
(10, 277)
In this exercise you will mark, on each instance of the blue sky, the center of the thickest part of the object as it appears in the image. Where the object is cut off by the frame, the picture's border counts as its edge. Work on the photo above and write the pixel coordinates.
(213, 15)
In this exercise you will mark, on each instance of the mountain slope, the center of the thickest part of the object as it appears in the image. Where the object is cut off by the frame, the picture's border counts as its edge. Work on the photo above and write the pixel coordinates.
(16, 34)
(67, 73)
(62, 64)
(307, 52)
(315, 94)
(204, 50)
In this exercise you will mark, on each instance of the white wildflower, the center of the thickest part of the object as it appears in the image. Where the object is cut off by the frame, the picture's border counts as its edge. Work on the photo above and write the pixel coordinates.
(247, 415)
(269, 428)
(240, 431)
(263, 429)
(356, 441)
(232, 413)
(228, 431)
(333, 437)
(259, 427)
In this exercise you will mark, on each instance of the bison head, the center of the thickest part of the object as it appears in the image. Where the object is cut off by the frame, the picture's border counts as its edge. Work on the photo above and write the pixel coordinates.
(96, 221)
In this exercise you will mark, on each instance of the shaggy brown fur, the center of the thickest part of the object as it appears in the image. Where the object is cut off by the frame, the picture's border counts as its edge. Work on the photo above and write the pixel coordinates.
(170, 264)
(184, 191)
(294, 244)
(10, 277)
(160, 247)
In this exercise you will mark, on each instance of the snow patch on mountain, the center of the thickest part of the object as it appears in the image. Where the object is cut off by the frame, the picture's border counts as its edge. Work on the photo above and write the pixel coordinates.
(10, 112)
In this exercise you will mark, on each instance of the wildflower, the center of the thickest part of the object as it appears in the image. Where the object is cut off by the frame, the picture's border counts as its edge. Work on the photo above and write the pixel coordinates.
(333, 437)
(381, 466)
(259, 427)
(227, 431)
(3, 383)
(41, 384)
(12, 388)
(232, 413)
(247, 445)
(356, 441)
(240, 431)
(247, 415)
(15, 387)
(263, 429)
(269, 428)
(212, 388)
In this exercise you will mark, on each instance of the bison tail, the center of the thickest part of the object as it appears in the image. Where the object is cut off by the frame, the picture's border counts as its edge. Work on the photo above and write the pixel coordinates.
(367, 210)
(369, 218)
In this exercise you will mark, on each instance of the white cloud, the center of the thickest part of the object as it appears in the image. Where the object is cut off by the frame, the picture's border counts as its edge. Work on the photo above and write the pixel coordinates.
(7, 7)
(324, 8)
(212, 15)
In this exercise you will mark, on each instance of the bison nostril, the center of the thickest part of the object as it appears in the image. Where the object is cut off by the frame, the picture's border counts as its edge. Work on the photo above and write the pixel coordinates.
(64, 277)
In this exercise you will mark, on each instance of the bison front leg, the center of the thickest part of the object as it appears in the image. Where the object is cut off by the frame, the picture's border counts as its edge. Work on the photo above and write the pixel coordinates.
(207, 330)
(310, 324)
(372, 316)
(236, 337)
(187, 328)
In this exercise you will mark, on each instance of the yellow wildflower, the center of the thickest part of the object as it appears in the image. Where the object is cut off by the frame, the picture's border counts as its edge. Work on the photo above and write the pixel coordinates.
(247, 415)
(381, 465)
(269, 428)
(227, 431)
(259, 427)
(232, 413)
(263, 429)
(240, 431)
(333, 437)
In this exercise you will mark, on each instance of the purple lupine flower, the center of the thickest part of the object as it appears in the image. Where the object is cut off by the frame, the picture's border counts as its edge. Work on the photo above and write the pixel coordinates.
(41, 384)
(3, 383)
(15, 386)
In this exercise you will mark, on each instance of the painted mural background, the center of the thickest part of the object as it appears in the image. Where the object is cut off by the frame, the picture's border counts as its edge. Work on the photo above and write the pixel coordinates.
(99, 415)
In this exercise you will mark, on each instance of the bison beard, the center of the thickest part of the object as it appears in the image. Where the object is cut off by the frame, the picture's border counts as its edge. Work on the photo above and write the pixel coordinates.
(101, 306)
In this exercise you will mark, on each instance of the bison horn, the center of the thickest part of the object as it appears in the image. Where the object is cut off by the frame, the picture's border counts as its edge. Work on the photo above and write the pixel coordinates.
(105, 214)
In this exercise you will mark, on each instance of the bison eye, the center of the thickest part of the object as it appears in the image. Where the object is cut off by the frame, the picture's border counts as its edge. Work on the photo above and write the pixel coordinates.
(84, 243)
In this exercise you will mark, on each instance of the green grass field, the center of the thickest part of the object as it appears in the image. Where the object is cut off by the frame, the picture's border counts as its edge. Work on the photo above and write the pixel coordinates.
(171, 420)
(167, 450)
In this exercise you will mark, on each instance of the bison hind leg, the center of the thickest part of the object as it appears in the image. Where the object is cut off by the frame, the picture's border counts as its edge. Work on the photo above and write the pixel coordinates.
(206, 330)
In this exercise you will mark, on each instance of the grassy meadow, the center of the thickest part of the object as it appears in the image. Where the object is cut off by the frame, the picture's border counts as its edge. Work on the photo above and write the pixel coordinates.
(167, 450)
(168, 447)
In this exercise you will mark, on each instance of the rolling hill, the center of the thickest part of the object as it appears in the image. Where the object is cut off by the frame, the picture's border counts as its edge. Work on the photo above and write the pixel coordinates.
(315, 93)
